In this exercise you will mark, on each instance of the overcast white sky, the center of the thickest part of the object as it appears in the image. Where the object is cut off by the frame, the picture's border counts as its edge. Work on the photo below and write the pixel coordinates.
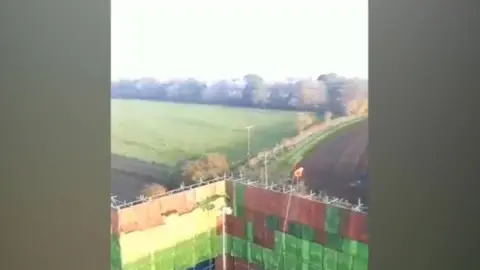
(212, 39)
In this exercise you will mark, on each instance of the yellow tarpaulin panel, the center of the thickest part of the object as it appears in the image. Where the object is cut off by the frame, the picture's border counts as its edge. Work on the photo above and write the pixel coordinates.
(220, 188)
(204, 192)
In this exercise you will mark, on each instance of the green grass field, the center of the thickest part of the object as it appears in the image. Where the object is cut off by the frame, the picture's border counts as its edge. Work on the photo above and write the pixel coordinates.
(164, 132)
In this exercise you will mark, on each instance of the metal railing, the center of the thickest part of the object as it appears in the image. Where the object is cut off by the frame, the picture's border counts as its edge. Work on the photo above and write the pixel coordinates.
(115, 204)
(290, 189)
(295, 190)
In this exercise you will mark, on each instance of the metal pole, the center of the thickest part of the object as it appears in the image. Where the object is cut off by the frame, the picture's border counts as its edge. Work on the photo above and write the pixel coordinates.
(296, 184)
(224, 241)
(266, 169)
(248, 144)
(249, 128)
(225, 211)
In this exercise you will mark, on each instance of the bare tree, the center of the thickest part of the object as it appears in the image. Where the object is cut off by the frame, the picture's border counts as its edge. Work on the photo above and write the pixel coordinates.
(204, 168)
(153, 189)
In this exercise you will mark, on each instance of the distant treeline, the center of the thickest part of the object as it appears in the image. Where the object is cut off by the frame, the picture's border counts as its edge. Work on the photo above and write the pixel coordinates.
(329, 92)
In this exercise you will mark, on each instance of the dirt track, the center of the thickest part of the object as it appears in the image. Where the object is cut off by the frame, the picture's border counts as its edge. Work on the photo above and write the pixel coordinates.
(335, 164)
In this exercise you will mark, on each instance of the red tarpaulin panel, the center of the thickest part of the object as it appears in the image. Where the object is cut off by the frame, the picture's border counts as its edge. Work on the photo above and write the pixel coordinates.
(259, 219)
(268, 239)
(255, 198)
(320, 237)
(219, 263)
(235, 226)
(262, 236)
(219, 225)
(174, 204)
(190, 200)
(255, 267)
(345, 223)
(153, 209)
(365, 232)
(291, 210)
(141, 216)
(244, 265)
(316, 218)
(356, 227)
(249, 214)
(114, 226)
(283, 225)
(127, 220)
(258, 227)
(303, 210)
(266, 201)
(274, 203)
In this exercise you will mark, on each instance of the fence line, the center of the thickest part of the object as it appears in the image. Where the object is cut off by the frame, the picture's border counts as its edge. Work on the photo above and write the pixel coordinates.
(119, 205)
(293, 189)
(290, 189)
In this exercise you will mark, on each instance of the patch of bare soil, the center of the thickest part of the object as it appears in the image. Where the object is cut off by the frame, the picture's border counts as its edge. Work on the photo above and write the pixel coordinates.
(129, 176)
(336, 165)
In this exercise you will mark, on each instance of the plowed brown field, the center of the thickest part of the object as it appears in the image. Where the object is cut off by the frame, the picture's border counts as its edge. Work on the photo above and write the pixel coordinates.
(130, 175)
(338, 162)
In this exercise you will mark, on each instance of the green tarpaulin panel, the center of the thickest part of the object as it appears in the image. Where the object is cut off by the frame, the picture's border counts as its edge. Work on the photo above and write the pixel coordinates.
(203, 240)
(184, 259)
(145, 263)
(256, 254)
(360, 263)
(239, 200)
(330, 259)
(270, 260)
(334, 241)
(203, 249)
(303, 250)
(249, 231)
(350, 246)
(316, 255)
(184, 255)
(292, 262)
(281, 262)
(217, 244)
(308, 233)
(238, 210)
(239, 247)
(204, 235)
(239, 193)
(165, 259)
(279, 242)
(363, 250)
(186, 246)
(115, 254)
(332, 219)
(345, 261)
(273, 223)
(295, 229)
(305, 266)
(249, 252)
(291, 243)
(203, 255)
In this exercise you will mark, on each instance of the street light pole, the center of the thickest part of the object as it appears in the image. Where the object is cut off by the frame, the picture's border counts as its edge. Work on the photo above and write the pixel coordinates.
(225, 211)
(249, 128)
(265, 162)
